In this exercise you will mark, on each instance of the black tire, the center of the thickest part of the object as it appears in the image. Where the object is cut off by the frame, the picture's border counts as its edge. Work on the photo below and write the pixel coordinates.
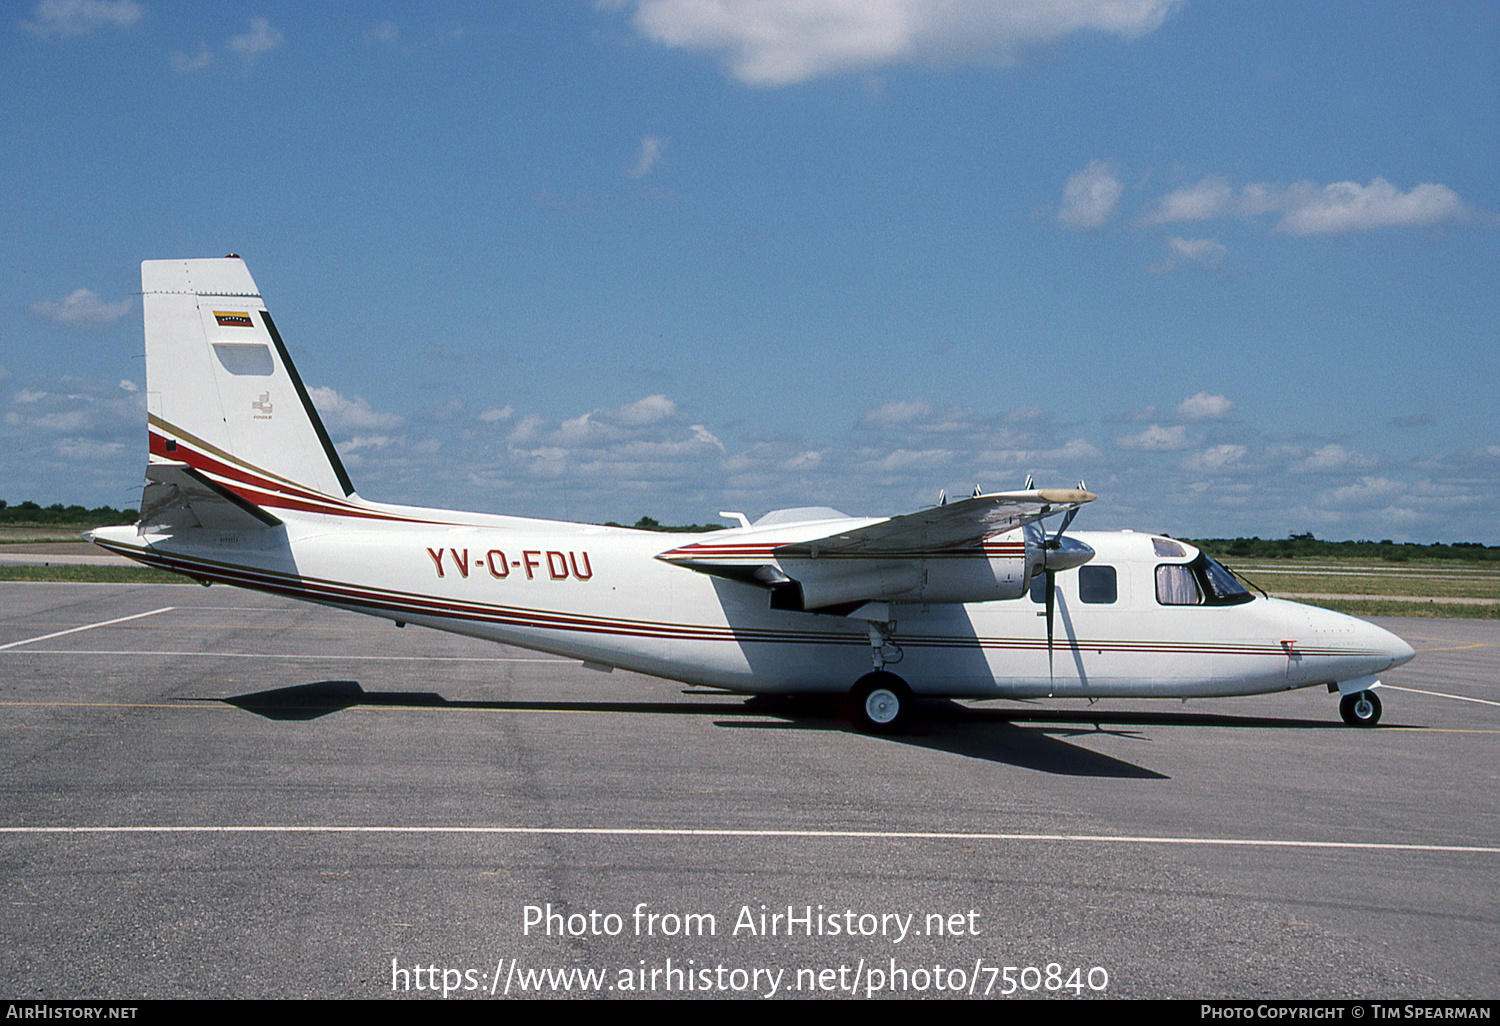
(1360, 708)
(882, 703)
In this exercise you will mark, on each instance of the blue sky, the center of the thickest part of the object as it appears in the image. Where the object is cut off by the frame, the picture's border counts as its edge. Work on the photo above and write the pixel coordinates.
(1232, 265)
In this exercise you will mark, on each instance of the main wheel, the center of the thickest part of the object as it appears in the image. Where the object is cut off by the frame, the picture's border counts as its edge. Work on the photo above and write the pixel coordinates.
(882, 703)
(1360, 708)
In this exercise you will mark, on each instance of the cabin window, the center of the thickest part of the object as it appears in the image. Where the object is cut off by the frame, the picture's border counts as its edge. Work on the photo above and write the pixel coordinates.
(1097, 584)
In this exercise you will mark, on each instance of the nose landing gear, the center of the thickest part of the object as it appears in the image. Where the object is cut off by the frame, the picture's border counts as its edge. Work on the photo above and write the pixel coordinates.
(1360, 708)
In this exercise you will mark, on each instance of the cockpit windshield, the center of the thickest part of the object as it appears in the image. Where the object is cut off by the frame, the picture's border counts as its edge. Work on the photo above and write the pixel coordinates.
(1227, 589)
(1202, 582)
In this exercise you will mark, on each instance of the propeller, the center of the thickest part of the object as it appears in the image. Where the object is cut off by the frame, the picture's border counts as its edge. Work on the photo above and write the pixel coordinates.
(1059, 553)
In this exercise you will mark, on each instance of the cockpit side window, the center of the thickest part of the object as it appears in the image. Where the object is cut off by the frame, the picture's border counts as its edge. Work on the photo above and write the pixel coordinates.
(1176, 586)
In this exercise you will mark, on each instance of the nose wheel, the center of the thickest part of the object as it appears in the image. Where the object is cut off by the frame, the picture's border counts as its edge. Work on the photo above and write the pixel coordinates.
(1360, 709)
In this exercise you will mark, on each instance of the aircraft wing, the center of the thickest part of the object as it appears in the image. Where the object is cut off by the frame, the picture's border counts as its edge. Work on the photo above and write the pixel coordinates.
(177, 496)
(941, 554)
(957, 524)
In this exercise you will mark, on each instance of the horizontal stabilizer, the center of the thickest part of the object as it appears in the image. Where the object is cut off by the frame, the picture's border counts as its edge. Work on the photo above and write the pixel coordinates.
(178, 497)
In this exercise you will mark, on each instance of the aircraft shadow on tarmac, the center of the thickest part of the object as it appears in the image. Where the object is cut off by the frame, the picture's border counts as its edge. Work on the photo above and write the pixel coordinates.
(995, 735)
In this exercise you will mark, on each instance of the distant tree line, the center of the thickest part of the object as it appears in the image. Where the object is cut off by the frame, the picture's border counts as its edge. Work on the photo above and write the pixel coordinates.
(29, 514)
(650, 524)
(1305, 545)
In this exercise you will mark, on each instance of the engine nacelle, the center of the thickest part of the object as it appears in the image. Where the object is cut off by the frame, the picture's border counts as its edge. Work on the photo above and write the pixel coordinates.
(997, 569)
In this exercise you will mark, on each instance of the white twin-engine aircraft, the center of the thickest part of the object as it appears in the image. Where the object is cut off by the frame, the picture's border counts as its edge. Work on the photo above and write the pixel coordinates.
(969, 599)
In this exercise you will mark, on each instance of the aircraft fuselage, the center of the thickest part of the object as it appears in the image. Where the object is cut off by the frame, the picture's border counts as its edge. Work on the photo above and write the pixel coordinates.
(598, 594)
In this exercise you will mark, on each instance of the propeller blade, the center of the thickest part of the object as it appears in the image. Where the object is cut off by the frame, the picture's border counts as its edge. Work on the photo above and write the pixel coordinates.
(1067, 519)
(1051, 601)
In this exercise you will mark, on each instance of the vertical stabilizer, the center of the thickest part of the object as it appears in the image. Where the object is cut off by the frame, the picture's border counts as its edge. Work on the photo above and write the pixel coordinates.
(222, 394)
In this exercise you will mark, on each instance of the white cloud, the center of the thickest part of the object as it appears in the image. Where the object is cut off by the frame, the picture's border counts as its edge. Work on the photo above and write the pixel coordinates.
(74, 408)
(249, 47)
(900, 460)
(1208, 252)
(1216, 459)
(1368, 491)
(1156, 439)
(648, 156)
(261, 39)
(1332, 458)
(1207, 199)
(1034, 456)
(897, 412)
(393, 39)
(1090, 197)
(781, 42)
(1350, 207)
(705, 436)
(80, 17)
(182, 63)
(1205, 407)
(88, 450)
(367, 442)
(650, 410)
(349, 414)
(1303, 208)
(920, 416)
(81, 308)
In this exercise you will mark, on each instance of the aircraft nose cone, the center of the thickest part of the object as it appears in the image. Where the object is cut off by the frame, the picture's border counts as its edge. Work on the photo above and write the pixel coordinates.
(1402, 653)
(1391, 647)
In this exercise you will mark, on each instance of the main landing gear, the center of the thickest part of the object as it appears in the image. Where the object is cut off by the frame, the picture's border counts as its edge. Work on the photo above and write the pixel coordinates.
(1360, 708)
(882, 703)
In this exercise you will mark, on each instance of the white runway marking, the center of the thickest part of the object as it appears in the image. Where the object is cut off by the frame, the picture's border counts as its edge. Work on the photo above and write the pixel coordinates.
(874, 835)
(1439, 694)
(86, 627)
(285, 655)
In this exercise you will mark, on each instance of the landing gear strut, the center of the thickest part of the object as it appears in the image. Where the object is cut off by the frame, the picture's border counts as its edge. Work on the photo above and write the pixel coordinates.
(1360, 708)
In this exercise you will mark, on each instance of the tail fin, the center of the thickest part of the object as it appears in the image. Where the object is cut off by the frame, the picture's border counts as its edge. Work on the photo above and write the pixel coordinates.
(225, 403)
